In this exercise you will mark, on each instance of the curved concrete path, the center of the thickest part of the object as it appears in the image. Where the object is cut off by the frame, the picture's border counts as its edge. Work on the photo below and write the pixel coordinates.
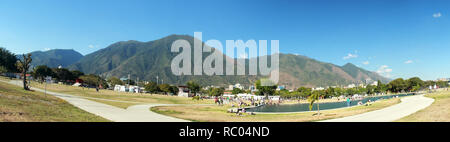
(407, 106)
(136, 113)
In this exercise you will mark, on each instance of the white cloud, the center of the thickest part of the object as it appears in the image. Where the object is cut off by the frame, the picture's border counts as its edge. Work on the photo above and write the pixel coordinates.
(409, 62)
(385, 71)
(349, 56)
(91, 46)
(366, 62)
(47, 49)
(437, 15)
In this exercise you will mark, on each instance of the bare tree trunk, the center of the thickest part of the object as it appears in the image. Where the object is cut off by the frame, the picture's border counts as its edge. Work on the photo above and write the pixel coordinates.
(25, 81)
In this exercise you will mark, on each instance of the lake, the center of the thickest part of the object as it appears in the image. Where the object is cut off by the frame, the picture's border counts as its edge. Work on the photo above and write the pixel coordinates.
(323, 106)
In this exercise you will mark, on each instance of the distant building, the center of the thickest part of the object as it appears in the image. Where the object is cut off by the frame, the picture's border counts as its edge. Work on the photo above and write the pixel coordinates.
(280, 88)
(351, 86)
(237, 85)
(183, 91)
(318, 88)
(123, 79)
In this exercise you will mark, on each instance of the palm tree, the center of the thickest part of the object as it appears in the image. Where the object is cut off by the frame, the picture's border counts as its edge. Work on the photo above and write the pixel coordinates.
(313, 98)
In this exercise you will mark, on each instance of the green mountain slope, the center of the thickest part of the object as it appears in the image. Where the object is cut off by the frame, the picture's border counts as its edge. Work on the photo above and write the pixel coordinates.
(56, 57)
(147, 60)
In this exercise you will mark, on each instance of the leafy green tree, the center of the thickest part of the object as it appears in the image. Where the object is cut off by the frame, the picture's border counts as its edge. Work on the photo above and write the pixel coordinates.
(42, 71)
(266, 87)
(304, 92)
(381, 88)
(94, 81)
(442, 84)
(63, 74)
(370, 89)
(216, 91)
(193, 87)
(236, 91)
(8, 61)
(151, 87)
(23, 65)
(115, 81)
(412, 84)
(3, 69)
(76, 74)
(165, 88)
(398, 85)
(174, 90)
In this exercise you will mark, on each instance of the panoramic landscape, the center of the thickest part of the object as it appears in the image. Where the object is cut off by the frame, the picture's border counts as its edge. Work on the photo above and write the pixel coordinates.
(307, 62)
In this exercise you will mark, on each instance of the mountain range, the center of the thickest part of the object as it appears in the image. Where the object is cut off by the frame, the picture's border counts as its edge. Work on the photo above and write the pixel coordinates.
(148, 60)
(54, 58)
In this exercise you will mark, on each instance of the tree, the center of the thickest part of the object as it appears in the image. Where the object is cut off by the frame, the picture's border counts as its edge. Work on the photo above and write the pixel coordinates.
(370, 89)
(164, 88)
(76, 74)
(42, 71)
(193, 87)
(94, 80)
(113, 81)
(266, 87)
(3, 69)
(8, 61)
(397, 85)
(216, 91)
(63, 74)
(129, 82)
(304, 92)
(151, 87)
(174, 90)
(236, 91)
(23, 66)
(381, 88)
(412, 84)
(313, 98)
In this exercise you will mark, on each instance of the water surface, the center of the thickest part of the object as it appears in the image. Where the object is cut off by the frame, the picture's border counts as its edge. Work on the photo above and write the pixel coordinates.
(323, 106)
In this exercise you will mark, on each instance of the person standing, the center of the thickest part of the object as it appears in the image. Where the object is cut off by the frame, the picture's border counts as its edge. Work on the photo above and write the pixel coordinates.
(348, 102)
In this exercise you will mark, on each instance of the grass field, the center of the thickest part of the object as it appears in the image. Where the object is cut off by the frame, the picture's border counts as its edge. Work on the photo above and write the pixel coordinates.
(437, 112)
(17, 104)
(219, 113)
(131, 98)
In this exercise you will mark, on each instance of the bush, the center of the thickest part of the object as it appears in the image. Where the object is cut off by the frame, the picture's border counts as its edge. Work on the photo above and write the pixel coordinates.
(196, 98)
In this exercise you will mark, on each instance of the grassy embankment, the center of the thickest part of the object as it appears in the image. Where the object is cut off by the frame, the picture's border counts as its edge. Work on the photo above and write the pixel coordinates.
(118, 99)
(17, 104)
(218, 113)
(436, 112)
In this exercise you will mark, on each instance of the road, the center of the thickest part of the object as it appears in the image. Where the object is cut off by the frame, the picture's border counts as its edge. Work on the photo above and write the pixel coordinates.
(407, 106)
(136, 113)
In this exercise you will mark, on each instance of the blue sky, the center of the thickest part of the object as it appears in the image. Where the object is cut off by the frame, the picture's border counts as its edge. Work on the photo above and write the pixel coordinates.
(397, 38)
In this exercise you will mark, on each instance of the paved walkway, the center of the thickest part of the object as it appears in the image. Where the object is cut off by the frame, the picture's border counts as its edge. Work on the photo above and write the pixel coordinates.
(136, 113)
(409, 105)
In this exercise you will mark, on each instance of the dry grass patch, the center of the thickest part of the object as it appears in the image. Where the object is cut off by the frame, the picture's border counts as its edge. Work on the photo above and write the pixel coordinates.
(437, 112)
(17, 104)
(120, 96)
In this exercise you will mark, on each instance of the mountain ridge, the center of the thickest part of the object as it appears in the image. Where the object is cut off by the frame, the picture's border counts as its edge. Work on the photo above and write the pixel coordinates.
(146, 60)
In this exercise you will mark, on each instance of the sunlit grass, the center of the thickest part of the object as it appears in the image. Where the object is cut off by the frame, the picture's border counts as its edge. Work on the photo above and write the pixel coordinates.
(436, 112)
(17, 104)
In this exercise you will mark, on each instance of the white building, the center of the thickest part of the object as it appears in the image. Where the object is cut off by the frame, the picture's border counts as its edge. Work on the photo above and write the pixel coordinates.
(351, 86)
(318, 88)
(183, 91)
